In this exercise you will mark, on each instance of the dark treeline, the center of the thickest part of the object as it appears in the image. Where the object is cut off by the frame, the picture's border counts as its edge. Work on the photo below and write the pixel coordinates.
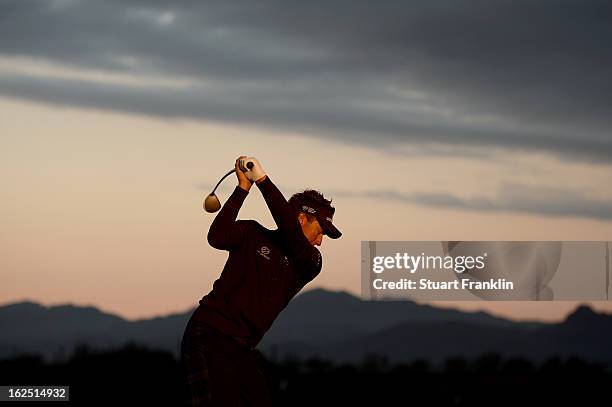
(140, 375)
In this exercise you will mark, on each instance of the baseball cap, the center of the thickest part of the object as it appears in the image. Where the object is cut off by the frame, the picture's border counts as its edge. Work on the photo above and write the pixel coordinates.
(324, 214)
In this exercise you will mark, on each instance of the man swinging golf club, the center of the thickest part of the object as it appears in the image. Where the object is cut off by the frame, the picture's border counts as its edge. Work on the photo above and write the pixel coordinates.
(264, 271)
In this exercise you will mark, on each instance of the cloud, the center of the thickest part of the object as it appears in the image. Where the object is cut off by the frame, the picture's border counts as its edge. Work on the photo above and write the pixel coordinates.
(510, 198)
(513, 74)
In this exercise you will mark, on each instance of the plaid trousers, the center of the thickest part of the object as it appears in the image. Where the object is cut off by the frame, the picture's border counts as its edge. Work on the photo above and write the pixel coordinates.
(219, 371)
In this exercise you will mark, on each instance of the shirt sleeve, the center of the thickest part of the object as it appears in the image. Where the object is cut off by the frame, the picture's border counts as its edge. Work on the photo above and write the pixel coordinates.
(225, 232)
(304, 255)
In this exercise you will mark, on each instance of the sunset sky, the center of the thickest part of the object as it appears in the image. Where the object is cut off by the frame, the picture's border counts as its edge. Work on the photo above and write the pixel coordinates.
(463, 120)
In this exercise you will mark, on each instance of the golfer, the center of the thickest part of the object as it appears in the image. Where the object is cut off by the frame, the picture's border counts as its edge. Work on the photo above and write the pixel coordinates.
(264, 271)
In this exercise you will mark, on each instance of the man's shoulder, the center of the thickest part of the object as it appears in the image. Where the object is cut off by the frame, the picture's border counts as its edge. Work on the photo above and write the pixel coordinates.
(260, 233)
(253, 225)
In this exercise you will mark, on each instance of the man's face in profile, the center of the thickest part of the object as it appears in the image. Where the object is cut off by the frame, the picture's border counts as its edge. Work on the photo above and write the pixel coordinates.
(312, 229)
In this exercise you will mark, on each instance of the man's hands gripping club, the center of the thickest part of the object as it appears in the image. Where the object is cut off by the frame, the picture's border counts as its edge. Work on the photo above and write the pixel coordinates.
(246, 176)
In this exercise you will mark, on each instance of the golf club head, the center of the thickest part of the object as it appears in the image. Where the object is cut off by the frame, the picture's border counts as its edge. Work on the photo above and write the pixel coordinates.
(211, 203)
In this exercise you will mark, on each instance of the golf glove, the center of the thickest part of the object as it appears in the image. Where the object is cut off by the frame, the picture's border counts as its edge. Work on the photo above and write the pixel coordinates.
(255, 172)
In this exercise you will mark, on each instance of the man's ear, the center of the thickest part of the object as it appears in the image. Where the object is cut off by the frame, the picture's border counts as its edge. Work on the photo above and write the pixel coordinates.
(302, 218)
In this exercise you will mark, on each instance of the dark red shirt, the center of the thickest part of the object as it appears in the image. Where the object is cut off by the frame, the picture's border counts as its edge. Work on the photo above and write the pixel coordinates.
(264, 271)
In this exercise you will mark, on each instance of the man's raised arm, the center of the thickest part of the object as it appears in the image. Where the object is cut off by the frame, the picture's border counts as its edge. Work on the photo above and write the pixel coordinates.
(225, 233)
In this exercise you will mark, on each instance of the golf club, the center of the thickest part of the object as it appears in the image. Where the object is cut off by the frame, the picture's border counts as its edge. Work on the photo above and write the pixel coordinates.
(211, 202)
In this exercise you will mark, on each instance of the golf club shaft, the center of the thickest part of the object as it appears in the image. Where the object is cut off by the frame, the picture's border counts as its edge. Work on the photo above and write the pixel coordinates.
(225, 176)
(249, 166)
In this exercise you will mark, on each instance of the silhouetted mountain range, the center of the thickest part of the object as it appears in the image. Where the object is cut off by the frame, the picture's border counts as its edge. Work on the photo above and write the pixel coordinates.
(334, 325)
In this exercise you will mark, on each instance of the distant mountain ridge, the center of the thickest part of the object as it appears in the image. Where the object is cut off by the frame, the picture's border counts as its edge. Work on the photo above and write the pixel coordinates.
(322, 323)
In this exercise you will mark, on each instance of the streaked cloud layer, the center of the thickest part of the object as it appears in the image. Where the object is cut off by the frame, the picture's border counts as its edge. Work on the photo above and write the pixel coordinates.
(510, 198)
(520, 75)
